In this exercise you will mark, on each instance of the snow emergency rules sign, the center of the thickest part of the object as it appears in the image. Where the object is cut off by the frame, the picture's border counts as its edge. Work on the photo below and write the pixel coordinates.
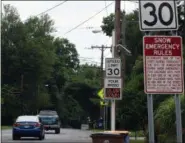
(163, 65)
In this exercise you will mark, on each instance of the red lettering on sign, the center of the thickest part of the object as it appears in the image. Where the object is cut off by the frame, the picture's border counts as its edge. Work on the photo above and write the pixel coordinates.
(112, 93)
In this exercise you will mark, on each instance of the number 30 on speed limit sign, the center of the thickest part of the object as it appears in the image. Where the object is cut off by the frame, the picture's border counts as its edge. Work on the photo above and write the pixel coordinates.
(113, 67)
(158, 15)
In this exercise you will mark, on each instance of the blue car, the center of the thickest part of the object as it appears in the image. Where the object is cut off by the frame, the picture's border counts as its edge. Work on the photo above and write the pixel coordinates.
(28, 126)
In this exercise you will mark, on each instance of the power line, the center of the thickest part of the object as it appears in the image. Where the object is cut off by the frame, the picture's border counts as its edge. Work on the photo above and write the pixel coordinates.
(52, 8)
(86, 27)
(106, 7)
(88, 19)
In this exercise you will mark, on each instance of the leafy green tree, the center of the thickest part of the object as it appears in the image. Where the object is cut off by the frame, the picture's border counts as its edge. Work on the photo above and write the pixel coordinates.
(133, 106)
(10, 108)
(165, 119)
(25, 51)
(41, 71)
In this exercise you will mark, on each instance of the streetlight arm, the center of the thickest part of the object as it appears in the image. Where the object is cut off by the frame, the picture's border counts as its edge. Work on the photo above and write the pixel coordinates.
(128, 51)
(96, 31)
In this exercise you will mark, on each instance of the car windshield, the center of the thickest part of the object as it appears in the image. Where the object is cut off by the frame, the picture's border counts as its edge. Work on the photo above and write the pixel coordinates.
(27, 119)
(47, 112)
(48, 120)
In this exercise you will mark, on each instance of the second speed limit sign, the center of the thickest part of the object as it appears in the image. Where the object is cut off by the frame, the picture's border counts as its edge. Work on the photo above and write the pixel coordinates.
(113, 67)
(158, 15)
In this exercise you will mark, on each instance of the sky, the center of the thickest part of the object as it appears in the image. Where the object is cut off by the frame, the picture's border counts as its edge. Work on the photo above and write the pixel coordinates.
(72, 13)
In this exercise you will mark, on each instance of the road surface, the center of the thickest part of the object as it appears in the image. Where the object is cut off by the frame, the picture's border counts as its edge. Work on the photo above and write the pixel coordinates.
(65, 136)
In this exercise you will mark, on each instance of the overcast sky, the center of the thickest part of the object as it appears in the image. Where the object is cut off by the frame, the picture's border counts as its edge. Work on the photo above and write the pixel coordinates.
(69, 15)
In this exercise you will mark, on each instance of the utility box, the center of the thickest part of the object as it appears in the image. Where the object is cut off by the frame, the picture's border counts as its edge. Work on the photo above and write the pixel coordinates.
(111, 137)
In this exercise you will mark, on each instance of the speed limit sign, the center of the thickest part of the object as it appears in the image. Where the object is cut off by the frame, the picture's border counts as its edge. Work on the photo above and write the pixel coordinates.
(113, 67)
(158, 15)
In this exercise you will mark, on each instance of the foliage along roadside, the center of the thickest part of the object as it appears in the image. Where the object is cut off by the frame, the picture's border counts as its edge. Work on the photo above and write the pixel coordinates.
(49, 69)
(132, 110)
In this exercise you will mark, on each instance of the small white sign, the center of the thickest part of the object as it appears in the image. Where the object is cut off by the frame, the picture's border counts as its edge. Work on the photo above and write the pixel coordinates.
(84, 127)
(112, 83)
(158, 15)
(113, 67)
(113, 88)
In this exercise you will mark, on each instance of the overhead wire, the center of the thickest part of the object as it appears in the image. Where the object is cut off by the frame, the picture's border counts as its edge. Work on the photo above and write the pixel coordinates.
(88, 19)
(106, 7)
(52, 8)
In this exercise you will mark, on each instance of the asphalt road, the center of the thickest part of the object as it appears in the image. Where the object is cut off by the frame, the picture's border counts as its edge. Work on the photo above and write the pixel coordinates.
(65, 136)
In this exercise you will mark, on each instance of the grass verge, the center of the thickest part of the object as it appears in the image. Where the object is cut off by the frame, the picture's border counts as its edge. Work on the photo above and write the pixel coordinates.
(5, 127)
(136, 141)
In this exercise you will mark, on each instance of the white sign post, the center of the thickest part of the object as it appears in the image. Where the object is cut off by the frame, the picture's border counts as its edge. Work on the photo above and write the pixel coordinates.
(113, 67)
(113, 82)
(159, 15)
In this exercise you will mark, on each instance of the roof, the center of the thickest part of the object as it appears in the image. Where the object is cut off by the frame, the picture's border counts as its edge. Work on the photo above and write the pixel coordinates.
(48, 116)
(48, 112)
(27, 118)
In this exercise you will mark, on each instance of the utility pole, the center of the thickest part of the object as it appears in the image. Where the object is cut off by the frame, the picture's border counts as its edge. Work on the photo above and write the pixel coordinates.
(102, 49)
(184, 95)
(117, 26)
(22, 80)
(122, 54)
(116, 55)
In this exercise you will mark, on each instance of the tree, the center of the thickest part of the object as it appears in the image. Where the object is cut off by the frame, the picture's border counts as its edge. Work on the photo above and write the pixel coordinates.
(47, 67)
(165, 119)
(133, 106)
(25, 51)
(83, 88)
(66, 64)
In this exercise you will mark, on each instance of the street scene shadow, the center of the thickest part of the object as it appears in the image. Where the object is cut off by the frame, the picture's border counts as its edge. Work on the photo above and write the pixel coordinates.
(28, 138)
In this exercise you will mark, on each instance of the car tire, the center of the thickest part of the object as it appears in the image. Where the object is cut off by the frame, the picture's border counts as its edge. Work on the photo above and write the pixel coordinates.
(57, 131)
(15, 137)
(43, 137)
(40, 137)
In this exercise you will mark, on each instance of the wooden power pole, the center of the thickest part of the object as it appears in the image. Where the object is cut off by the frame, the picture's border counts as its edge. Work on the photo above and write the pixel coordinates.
(117, 26)
(21, 93)
(102, 49)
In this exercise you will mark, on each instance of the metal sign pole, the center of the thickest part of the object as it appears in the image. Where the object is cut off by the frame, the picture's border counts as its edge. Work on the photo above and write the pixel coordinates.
(113, 103)
(104, 116)
(157, 86)
(178, 118)
(107, 115)
(113, 114)
(150, 118)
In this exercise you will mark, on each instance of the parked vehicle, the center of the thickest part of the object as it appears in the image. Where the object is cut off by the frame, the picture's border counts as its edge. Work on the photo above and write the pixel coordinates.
(28, 126)
(50, 120)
